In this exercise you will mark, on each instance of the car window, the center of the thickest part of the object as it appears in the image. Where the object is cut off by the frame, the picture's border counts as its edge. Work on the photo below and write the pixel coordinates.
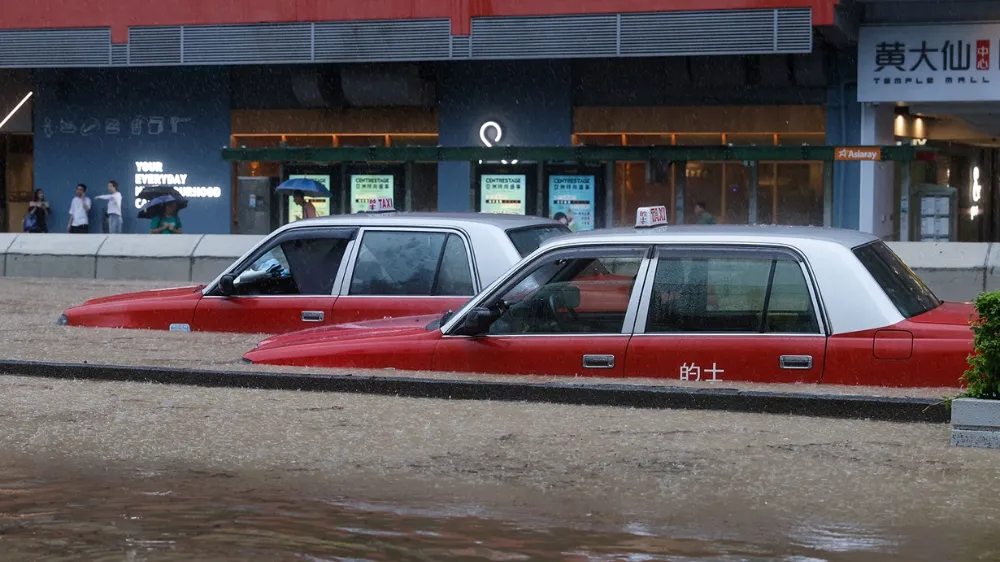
(906, 291)
(729, 294)
(576, 295)
(305, 266)
(455, 275)
(403, 263)
(527, 240)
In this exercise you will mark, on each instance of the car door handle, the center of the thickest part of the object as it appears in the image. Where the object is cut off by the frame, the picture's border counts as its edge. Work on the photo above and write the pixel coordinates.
(803, 362)
(598, 361)
(313, 315)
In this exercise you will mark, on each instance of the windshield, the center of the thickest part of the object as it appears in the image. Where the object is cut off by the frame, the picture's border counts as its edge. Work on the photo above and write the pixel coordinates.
(900, 284)
(527, 240)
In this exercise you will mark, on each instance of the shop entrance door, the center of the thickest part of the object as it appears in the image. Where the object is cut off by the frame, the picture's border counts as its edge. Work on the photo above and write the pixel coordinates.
(575, 194)
(254, 211)
(506, 188)
(366, 181)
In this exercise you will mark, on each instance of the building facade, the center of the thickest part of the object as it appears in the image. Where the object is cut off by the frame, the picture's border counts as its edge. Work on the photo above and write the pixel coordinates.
(150, 96)
(928, 75)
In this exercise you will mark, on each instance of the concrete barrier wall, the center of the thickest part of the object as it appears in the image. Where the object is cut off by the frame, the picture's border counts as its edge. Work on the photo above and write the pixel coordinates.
(955, 271)
(182, 258)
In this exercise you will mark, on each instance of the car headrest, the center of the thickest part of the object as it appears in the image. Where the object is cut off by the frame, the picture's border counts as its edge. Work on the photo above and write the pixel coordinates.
(569, 296)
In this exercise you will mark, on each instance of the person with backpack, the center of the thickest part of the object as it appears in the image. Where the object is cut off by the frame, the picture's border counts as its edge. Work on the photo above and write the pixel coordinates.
(38, 213)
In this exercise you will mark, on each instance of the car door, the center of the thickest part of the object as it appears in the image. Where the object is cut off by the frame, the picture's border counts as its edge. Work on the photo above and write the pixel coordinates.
(406, 272)
(728, 314)
(569, 312)
(286, 285)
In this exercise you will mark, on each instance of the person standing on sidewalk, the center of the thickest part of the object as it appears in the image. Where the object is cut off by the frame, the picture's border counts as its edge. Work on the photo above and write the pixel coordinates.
(114, 212)
(702, 216)
(79, 220)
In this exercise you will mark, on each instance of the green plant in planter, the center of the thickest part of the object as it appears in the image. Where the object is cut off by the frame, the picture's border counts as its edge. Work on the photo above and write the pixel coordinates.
(982, 379)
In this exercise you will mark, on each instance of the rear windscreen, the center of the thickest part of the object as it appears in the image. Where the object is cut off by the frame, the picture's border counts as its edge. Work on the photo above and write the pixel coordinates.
(900, 284)
(527, 240)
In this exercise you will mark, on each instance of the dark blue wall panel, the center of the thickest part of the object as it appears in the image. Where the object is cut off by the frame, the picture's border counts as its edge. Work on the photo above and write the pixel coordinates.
(531, 100)
(93, 125)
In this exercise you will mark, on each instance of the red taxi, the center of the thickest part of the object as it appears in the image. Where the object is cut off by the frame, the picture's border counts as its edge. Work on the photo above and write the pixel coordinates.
(694, 303)
(337, 269)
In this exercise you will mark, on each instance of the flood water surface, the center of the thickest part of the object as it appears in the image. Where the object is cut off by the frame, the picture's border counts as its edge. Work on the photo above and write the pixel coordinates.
(50, 513)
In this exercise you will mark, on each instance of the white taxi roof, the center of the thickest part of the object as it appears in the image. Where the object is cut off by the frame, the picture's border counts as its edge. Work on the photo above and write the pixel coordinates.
(722, 232)
(393, 218)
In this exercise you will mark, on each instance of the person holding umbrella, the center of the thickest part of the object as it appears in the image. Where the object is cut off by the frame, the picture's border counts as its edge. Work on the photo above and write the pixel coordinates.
(299, 187)
(163, 210)
(168, 222)
(308, 209)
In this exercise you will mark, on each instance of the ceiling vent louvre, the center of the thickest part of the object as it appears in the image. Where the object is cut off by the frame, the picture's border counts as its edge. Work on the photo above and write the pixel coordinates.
(119, 55)
(247, 44)
(383, 40)
(795, 31)
(723, 32)
(545, 37)
(461, 47)
(41, 48)
(148, 46)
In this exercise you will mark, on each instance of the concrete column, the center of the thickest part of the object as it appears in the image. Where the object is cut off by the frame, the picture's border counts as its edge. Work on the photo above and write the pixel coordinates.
(875, 178)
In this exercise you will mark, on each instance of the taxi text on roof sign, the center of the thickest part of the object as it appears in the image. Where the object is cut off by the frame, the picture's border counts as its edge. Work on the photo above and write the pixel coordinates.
(848, 153)
(650, 216)
(380, 204)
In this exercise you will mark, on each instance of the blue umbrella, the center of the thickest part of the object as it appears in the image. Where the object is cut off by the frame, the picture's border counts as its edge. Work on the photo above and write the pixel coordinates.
(154, 207)
(305, 185)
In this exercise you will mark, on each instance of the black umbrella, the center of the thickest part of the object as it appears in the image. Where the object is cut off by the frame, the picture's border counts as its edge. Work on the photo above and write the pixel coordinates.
(154, 208)
(154, 191)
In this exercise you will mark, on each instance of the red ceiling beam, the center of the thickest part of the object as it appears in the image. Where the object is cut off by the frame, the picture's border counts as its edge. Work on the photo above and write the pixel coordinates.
(119, 15)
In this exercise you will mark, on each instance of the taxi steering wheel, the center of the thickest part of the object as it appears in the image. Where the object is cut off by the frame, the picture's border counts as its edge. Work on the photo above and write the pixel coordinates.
(555, 302)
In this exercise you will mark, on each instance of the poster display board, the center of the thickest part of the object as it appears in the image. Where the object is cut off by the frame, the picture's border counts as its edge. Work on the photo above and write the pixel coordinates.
(571, 201)
(365, 187)
(322, 204)
(503, 193)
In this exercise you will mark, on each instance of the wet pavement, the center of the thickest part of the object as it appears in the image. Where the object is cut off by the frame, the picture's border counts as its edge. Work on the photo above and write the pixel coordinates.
(129, 471)
(102, 467)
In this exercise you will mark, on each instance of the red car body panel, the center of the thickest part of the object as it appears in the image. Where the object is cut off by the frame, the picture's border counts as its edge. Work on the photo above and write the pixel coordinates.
(529, 355)
(929, 350)
(157, 310)
(358, 309)
(408, 348)
(144, 310)
(265, 315)
(737, 357)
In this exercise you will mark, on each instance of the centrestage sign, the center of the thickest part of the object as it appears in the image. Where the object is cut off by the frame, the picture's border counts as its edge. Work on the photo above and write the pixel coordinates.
(365, 187)
(927, 63)
(502, 193)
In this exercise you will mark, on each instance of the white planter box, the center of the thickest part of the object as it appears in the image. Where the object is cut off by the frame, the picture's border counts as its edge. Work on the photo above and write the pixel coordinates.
(975, 423)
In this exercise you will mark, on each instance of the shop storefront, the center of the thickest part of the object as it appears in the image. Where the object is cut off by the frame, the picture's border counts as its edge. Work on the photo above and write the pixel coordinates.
(16, 148)
(258, 209)
(934, 86)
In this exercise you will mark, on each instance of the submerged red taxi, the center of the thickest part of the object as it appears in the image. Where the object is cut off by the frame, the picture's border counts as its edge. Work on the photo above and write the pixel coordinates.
(694, 303)
(336, 269)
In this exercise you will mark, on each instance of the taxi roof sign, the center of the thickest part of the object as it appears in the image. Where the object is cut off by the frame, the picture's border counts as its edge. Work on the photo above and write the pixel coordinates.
(646, 217)
(381, 205)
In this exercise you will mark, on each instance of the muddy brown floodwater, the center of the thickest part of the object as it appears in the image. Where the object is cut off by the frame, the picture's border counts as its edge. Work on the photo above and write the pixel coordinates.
(128, 471)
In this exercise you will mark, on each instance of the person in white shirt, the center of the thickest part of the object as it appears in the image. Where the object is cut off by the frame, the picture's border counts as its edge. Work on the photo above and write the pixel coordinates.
(114, 212)
(79, 221)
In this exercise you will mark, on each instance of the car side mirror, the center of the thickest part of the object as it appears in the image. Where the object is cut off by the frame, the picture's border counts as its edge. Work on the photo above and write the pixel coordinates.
(227, 285)
(478, 321)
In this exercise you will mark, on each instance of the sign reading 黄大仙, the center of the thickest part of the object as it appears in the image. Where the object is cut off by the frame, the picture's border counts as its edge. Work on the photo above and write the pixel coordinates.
(928, 63)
